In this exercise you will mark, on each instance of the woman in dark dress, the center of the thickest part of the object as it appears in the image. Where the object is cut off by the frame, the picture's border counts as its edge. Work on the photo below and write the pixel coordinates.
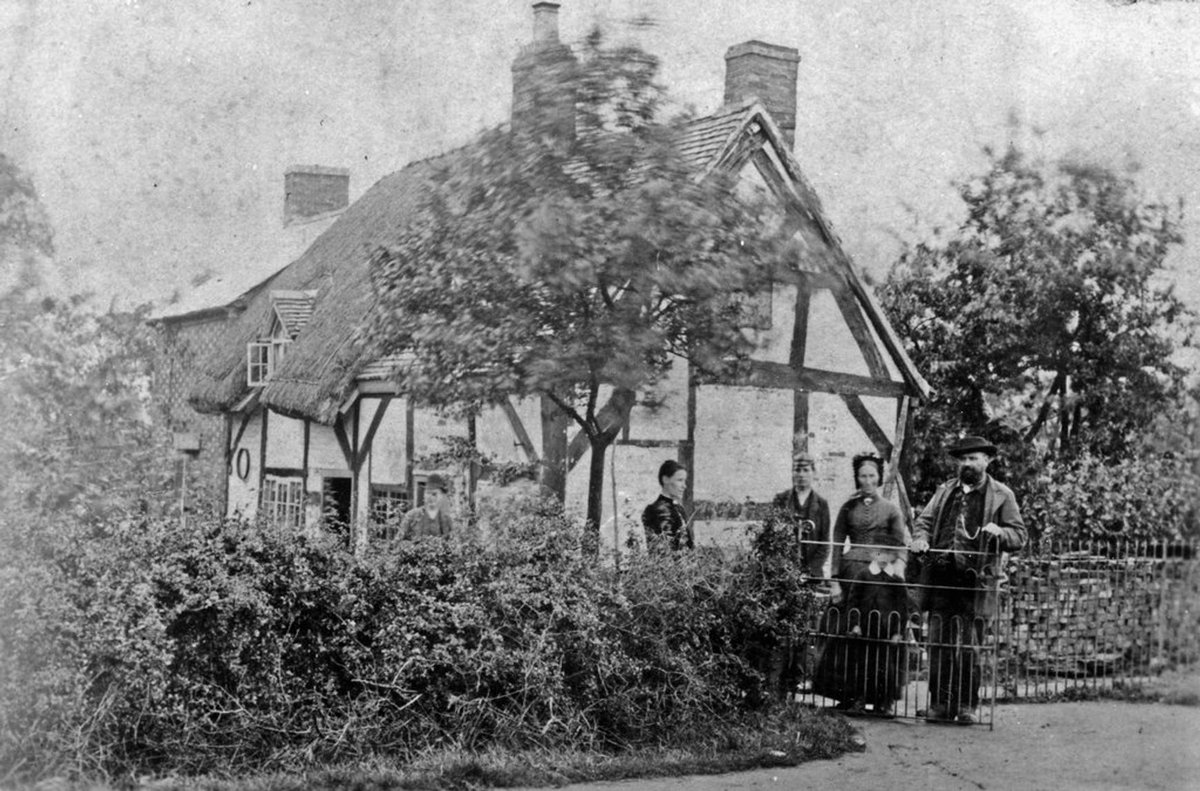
(863, 660)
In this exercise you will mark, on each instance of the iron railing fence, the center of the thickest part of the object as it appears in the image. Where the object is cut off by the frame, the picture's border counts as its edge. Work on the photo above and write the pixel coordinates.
(1055, 618)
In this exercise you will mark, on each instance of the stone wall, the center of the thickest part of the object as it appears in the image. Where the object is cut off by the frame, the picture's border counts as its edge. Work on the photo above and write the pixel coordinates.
(1084, 613)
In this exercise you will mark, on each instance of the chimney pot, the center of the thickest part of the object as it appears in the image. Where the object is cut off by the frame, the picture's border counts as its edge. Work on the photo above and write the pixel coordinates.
(543, 95)
(766, 72)
(311, 191)
(545, 23)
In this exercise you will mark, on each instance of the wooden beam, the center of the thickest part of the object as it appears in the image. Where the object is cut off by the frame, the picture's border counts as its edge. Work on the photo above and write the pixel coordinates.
(783, 377)
(262, 452)
(304, 461)
(356, 525)
(747, 145)
(652, 443)
(852, 312)
(473, 468)
(228, 436)
(898, 447)
(237, 439)
(867, 422)
(518, 428)
(800, 325)
(376, 419)
(687, 453)
(284, 472)
(339, 431)
(796, 361)
(919, 387)
(410, 447)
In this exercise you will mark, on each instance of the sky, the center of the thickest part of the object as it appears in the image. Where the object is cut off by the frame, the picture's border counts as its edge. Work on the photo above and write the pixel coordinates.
(157, 132)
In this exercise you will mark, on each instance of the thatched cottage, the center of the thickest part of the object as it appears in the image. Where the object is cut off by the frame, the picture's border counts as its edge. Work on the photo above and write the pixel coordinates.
(313, 426)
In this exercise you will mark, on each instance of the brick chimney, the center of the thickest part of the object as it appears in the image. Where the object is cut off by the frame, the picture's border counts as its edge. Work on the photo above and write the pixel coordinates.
(311, 191)
(768, 72)
(540, 73)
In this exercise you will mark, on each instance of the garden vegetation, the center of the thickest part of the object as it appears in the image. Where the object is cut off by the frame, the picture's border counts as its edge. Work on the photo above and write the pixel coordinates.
(136, 648)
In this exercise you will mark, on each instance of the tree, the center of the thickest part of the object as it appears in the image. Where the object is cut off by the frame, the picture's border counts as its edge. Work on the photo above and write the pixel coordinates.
(572, 261)
(75, 385)
(1043, 320)
(26, 240)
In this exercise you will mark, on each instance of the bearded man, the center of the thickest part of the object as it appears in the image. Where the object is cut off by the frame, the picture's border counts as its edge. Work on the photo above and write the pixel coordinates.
(971, 520)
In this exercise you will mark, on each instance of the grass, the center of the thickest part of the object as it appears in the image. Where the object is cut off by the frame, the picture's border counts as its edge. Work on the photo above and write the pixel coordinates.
(1172, 687)
(786, 736)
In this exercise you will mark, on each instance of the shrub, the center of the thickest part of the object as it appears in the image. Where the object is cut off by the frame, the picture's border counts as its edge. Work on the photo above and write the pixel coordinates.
(140, 646)
(1137, 497)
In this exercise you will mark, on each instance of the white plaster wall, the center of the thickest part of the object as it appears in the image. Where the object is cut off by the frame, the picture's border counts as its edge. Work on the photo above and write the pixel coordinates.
(495, 438)
(243, 495)
(669, 419)
(774, 344)
(285, 441)
(743, 443)
(829, 345)
(884, 412)
(387, 462)
(324, 452)
(429, 429)
(834, 439)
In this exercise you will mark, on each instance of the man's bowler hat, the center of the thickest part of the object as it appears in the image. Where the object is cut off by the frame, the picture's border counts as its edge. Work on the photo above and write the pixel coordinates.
(437, 481)
(972, 444)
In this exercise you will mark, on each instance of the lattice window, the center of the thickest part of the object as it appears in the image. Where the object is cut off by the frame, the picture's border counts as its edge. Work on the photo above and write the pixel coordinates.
(388, 505)
(282, 501)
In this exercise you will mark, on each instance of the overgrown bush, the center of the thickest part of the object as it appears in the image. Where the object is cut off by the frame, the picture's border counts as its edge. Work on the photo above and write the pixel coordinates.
(1138, 497)
(140, 646)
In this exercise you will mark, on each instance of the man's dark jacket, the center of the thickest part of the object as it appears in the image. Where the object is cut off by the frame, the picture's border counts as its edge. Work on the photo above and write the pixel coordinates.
(816, 509)
(1000, 507)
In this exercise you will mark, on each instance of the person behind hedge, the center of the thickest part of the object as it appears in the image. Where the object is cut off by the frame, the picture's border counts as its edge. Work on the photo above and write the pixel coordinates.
(970, 521)
(433, 518)
(808, 514)
(869, 524)
(664, 520)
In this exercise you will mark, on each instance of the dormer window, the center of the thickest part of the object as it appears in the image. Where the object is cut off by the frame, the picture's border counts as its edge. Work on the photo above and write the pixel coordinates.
(258, 363)
(262, 358)
(291, 314)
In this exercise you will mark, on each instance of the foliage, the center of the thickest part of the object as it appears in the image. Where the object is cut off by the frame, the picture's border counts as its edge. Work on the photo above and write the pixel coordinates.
(26, 240)
(1136, 497)
(1042, 321)
(571, 262)
(76, 386)
(141, 646)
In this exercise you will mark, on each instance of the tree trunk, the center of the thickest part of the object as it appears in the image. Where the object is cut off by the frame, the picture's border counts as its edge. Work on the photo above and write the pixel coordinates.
(554, 450)
(608, 425)
(595, 500)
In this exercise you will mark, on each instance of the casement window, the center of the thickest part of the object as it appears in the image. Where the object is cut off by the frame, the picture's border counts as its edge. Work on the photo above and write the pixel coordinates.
(388, 505)
(282, 501)
(262, 358)
(258, 363)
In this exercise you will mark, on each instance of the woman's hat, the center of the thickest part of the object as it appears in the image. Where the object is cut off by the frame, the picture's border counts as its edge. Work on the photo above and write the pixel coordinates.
(972, 444)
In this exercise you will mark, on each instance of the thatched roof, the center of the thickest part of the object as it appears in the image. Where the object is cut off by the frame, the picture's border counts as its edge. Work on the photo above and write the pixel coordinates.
(322, 365)
(335, 266)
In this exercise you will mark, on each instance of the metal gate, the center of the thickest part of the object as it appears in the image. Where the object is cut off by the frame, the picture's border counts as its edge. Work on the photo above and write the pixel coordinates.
(1055, 618)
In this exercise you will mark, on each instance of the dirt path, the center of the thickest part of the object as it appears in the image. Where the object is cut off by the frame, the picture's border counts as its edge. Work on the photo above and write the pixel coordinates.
(1059, 747)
